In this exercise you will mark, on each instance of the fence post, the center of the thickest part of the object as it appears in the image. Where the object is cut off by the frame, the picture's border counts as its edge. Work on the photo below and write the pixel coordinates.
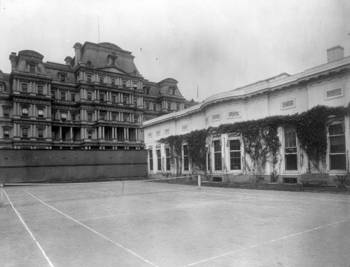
(199, 181)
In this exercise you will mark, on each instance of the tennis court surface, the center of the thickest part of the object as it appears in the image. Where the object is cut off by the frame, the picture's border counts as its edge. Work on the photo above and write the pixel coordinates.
(137, 223)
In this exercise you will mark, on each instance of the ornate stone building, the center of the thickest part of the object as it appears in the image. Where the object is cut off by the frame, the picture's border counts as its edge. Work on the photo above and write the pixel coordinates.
(96, 100)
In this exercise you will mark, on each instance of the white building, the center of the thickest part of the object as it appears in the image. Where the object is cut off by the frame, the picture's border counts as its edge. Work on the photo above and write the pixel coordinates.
(324, 85)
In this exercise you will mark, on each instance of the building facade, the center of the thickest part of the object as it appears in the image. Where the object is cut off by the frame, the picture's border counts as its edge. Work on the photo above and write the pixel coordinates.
(278, 97)
(96, 100)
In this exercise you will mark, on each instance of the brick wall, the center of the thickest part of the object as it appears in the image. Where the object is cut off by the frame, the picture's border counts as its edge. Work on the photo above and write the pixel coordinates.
(62, 165)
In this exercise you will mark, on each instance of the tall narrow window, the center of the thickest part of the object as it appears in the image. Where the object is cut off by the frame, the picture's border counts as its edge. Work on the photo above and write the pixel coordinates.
(167, 157)
(25, 131)
(63, 95)
(337, 157)
(185, 158)
(40, 132)
(159, 160)
(290, 150)
(25, 112)
(24, 87)
(217, 155)
(41, 113)
(40, 90)
(89, 96)
(6, 132)
(235, 154)
(150, 156)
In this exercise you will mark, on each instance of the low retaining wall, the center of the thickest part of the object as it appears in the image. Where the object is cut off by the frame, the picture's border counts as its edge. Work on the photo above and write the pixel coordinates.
(62, 165)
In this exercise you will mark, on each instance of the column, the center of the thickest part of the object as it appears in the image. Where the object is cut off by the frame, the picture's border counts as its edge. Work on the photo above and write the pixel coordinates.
(60, 132)
(99, 133)
(103, 132)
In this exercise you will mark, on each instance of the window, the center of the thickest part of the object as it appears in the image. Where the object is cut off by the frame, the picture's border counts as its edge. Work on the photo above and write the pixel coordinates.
(185, 158)
(61, 76)
(217, 155)
(184, 127)
(72, 97)
(166, 131)
(32, 68)
(235, 154)
(25, 131)
(102, 97)
(63, 116)
(101, 79)
(167, 158)
(150, 157)
(89, 133)
(53, 94)
(6, 132)
(40, 132)
(88, 77)
(337, 157)
(159, 160)
(102, 115)
(126, 116)
(125, 99)
(25, 112)
(63, 95)
(114, 116)
(89, 116)
(24, 87)
(40, 90)
(114, 98)
(89, 96)
(334, 93)
(40, 113)
(233, 114)
(157, 133)
(288, 104)
(290, 149)
(215, 117)
(6, 111)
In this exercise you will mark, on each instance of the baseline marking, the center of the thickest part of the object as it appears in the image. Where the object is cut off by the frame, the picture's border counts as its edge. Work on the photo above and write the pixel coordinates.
(269, 241)
(28, 230)
(93, 230)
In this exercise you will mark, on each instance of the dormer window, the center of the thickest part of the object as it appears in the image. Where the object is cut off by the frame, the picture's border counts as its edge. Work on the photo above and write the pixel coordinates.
(111, 59)
(61, 76)
(31, 67)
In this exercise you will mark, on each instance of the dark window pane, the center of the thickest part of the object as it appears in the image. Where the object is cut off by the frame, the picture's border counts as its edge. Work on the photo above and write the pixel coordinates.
(235, 160)
(217, 161)
(217, 145)
(150, 160)
(159, 161)
(337, 162)
(336, 129)
(291, 162)
(337, 144)
(235, 145)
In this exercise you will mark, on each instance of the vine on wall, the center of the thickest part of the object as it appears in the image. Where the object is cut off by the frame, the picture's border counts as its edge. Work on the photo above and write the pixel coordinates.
(260, 137)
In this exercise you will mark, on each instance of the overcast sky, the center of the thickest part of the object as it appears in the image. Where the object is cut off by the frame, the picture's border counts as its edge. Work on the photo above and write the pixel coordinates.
(214, 45)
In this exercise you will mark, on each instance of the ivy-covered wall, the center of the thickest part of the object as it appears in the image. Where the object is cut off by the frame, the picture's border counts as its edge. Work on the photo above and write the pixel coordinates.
(261, 141)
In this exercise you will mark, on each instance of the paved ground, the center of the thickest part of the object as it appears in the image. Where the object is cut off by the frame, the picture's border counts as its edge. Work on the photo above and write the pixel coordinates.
(154, 224)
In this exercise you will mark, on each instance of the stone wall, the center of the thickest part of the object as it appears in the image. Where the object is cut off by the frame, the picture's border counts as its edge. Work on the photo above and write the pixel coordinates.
(62, 165)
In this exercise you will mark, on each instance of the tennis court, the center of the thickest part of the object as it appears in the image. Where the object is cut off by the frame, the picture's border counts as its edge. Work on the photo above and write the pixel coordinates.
(136, 223)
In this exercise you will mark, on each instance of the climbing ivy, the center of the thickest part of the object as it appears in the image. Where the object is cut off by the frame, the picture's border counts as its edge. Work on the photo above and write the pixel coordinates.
(260, 137)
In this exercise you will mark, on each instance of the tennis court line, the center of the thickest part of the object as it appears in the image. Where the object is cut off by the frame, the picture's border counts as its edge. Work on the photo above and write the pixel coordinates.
(228, 253)
(28, 230)
(130, 251)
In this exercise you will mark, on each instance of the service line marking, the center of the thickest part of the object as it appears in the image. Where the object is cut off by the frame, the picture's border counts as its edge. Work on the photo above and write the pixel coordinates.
(28, 230)
(93, 230)
(228, 253)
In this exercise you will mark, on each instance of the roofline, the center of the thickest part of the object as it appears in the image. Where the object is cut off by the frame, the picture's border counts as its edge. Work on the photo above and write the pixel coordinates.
(269, 86)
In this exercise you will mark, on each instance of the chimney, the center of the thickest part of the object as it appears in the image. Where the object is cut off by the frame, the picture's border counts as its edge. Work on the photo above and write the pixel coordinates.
(77, 47)
(335, 53)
